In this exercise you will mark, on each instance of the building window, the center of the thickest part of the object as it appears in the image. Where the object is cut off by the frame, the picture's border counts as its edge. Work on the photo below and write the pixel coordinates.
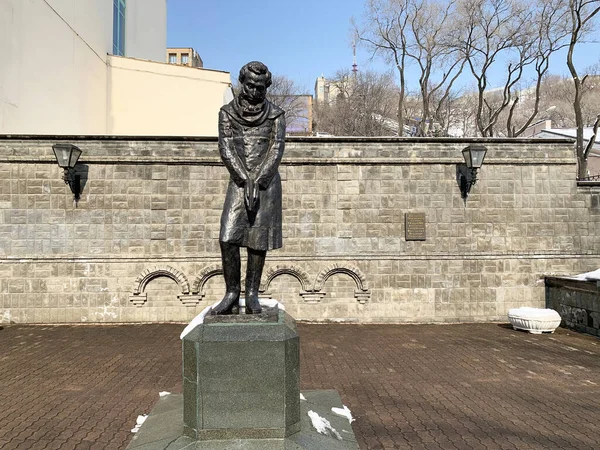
(172, 58)
(185, 58)
(119, 27)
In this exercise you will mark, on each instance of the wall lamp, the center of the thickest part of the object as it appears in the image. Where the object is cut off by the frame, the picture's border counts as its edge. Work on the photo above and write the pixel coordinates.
(67, 156)
(467, 174)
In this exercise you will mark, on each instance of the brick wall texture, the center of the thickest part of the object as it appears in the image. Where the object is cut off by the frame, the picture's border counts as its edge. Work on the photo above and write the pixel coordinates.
(142, 244)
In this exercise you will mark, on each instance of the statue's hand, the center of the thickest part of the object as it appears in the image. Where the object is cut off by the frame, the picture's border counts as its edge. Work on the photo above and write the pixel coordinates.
(251, 194)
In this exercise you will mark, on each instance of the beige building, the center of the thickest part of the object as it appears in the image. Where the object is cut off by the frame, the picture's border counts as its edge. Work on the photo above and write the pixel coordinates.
(159, 99)
(184, 56)
(325, 90)
(59, 75)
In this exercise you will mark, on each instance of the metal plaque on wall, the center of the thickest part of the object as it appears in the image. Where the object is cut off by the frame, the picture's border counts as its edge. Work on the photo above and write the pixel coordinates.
(414, 226)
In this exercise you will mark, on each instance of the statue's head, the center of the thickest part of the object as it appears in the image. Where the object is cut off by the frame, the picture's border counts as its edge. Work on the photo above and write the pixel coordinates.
(254, 80)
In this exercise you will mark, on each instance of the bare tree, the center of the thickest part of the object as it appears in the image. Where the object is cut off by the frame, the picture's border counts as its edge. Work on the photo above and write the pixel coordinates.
(556, 100)
(582, 13)
(448, 110)
(433, 51)
(549, 35)
(384, 30)
(288, 96)
(488, 31)
(463, 119)
(556, 96)
(514, 37)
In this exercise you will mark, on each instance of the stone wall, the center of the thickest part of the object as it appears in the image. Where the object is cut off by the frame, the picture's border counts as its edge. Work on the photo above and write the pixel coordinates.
(142, 244)
(577, 302)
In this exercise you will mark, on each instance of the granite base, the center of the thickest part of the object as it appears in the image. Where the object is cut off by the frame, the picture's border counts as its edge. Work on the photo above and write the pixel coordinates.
(163, 429)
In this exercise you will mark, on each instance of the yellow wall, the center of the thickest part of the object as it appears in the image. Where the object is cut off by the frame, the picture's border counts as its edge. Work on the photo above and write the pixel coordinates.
(57, 78)
(53, 75)
(150, 98)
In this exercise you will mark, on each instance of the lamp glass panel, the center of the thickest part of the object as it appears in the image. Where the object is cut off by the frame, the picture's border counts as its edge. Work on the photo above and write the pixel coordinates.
(75, 154)
(62, 154)
(477, 155)
(467, 155)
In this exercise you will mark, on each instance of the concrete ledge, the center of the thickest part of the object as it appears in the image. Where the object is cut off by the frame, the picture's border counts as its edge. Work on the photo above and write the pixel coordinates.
(577, 302)
(411, 139)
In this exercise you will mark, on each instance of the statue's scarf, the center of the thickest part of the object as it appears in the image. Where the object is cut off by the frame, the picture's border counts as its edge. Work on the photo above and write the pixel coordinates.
(235, 110)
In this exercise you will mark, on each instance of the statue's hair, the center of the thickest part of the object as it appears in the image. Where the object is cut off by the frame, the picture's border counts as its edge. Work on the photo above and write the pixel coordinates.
(257, 68)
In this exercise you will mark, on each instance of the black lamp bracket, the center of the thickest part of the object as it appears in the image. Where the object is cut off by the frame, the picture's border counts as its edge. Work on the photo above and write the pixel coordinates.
(73, 179)
(466, 178)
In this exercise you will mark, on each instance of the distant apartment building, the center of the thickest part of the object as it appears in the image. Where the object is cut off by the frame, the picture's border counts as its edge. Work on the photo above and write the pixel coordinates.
(184, 56)
(325, 90)
(97, 67)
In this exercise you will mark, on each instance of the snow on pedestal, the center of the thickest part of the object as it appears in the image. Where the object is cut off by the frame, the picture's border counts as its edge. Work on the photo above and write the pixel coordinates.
(594, 275)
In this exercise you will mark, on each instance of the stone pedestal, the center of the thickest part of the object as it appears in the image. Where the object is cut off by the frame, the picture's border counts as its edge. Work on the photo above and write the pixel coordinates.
(242, 380)
(241, 391)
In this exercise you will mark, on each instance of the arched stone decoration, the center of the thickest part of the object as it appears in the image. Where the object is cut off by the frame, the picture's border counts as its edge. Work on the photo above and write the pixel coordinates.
(362, 292)
(312, 296)
(206, 274)
(139, 285)
(139, 297)
(362, 296)
(284, 269)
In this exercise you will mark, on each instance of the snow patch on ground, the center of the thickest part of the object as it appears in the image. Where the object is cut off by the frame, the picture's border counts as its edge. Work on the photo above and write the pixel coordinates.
(302, 397)
(138, 423)
(323, 426)
(163, 394)
(344, 412)
(199, 319)
(588, 276)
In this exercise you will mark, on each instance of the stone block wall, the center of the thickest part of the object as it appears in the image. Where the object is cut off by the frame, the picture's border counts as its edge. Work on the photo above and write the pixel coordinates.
(577, 302)
(142, 244)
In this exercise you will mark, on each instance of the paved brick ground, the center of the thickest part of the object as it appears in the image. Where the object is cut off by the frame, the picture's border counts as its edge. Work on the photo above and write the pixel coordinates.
(414, 386)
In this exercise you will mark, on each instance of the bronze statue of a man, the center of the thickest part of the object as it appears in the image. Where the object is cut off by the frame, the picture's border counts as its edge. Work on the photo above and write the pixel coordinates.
(251, 142)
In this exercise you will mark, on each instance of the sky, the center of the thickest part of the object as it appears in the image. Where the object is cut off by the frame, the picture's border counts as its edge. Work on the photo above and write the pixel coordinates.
(300, 39)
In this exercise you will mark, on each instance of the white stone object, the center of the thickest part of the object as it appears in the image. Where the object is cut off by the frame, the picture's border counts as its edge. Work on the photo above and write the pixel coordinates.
(534, 320)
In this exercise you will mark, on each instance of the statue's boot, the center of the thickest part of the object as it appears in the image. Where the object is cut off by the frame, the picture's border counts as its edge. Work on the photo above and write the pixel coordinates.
(230, 257)
(256, 262)
(229, 305)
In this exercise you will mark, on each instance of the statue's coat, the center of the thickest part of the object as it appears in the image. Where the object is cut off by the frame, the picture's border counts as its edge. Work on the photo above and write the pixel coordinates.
(252, 147)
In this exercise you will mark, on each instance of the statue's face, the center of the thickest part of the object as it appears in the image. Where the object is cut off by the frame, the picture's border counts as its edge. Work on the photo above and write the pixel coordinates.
(254, 88)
